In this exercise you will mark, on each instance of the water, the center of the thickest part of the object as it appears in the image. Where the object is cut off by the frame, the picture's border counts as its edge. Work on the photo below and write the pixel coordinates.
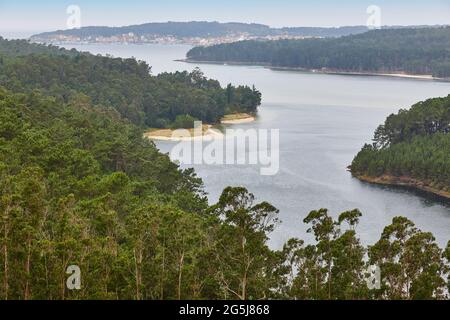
(324, 120)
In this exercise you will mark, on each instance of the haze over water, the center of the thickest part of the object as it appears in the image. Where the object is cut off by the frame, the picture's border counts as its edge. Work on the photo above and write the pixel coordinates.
(324, 120)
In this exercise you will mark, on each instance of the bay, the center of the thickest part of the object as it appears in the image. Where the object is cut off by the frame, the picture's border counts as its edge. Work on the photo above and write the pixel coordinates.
(324, 120)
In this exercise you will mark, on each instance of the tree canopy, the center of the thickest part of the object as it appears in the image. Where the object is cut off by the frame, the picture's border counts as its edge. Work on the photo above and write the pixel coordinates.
(125, 85)
(414, 143)
(81, 186)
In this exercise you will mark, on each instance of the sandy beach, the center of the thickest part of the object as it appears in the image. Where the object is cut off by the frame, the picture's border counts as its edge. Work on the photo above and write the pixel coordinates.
(208, 132)
(237, 118)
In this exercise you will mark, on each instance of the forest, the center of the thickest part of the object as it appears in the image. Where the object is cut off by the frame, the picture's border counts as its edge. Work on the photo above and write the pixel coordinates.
(403, 50)
(414, 143)
(125, 85)
(79, 185)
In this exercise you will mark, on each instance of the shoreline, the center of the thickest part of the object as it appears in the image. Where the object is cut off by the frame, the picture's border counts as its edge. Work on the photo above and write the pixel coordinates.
(237, 118)
(208, 131)
(178, 135)
(355, 73)
(238, 121)
(319, 71)
(407, 182)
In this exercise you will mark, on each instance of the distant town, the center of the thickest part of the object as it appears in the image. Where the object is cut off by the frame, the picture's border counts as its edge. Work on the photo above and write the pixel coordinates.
(133, 38)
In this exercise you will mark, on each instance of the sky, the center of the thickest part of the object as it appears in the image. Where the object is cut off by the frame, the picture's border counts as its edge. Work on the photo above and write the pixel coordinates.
(27, 17)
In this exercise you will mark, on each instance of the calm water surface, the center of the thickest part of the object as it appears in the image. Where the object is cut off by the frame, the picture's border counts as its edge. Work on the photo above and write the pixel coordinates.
(324, 120)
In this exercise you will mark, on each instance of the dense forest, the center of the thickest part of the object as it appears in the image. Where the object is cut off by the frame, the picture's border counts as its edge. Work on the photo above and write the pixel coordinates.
(414, 143)
(415, 51)
(124, 85)
(79, 185)
(203, 29)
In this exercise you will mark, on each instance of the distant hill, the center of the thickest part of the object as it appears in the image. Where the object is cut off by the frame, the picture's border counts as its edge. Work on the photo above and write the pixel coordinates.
(200, 29)
(401, 50)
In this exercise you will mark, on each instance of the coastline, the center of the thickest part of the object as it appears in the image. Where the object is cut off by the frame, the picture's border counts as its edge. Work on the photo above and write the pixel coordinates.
(354, 73)
(237, 118)
(321, 71)
(231, 63)
(208, 132)
(408, 182)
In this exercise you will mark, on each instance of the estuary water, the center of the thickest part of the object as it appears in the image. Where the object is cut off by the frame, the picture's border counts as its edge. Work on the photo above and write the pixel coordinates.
(324, 120)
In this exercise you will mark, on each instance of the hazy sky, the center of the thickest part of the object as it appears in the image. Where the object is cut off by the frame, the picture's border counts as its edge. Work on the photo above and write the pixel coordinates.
(35, 16)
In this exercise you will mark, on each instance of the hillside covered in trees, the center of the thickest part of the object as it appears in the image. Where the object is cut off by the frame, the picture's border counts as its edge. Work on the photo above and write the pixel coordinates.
(124, 85)
(79, 185)
(414, 51)
(203, 29)
(411, 148)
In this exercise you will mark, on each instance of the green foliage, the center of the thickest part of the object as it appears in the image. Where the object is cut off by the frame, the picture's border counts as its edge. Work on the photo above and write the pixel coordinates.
(138, 228)
(71, 177)
(124, 85)
(334, 267)
(79, 185)
(183, 122)
(242, 253)
(414, 143)
(422, 119)
(410, 261)
(415, 50)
